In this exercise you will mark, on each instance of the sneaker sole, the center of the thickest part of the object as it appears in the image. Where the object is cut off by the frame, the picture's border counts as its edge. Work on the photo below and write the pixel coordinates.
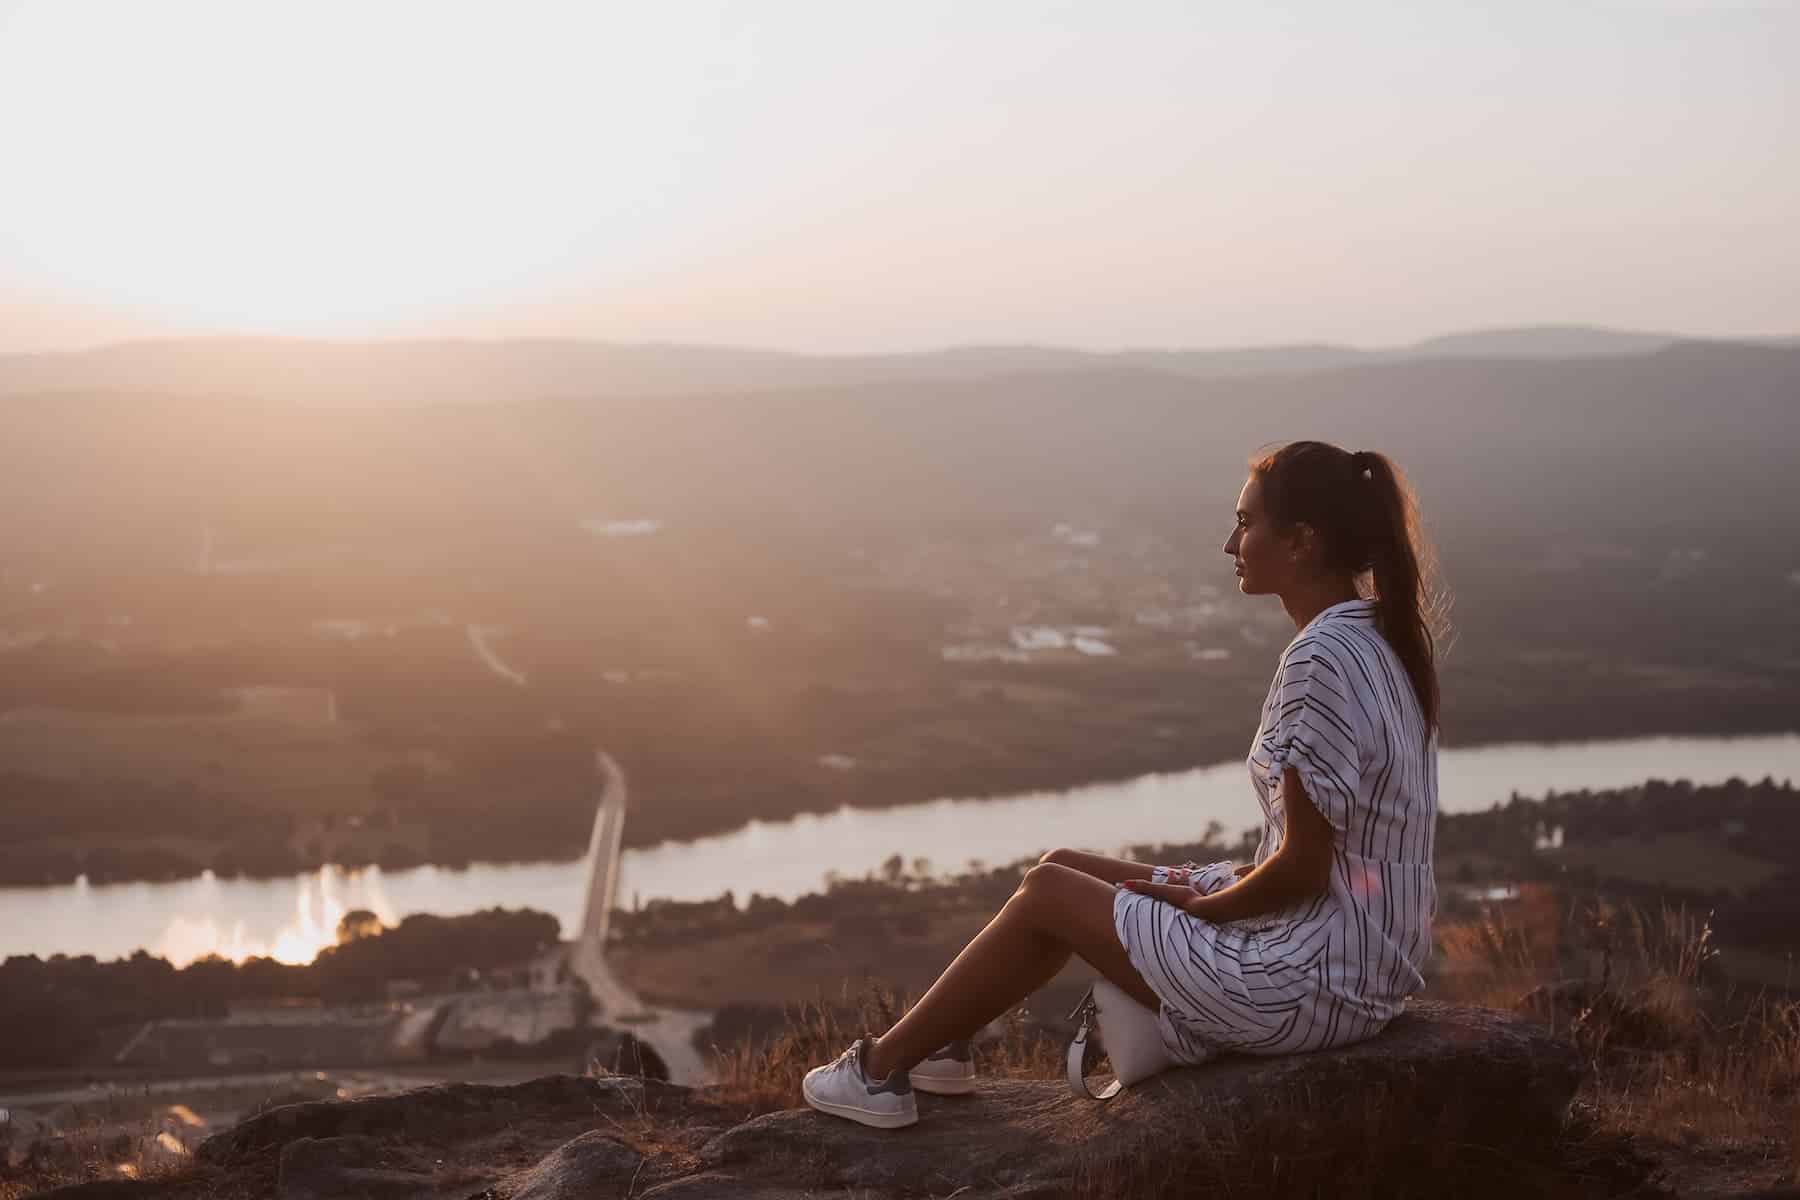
(944, 1087)
(862, 1116)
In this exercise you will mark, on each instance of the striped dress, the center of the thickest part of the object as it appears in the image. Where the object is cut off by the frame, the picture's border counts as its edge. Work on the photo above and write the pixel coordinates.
(1333, 969)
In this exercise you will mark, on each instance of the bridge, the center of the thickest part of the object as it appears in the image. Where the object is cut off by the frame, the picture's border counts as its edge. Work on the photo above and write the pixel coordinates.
(669, 1031)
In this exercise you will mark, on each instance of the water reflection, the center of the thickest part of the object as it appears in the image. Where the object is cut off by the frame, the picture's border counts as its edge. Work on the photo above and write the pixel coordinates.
(321, 901)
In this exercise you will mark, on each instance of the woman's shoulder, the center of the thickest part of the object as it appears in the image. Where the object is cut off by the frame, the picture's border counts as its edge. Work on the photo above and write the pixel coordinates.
(1341, 635)
(1334, 645)
(1356, 652)
(1343, 659)
(1337, 620)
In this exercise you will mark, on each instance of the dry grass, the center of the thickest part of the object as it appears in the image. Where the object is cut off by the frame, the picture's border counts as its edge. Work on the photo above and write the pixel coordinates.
(92, 1151)
(757, 1078)
(1509, 950)
(124, 1134)
(643, 1128)
(1675, 1054)
(1731, 1087)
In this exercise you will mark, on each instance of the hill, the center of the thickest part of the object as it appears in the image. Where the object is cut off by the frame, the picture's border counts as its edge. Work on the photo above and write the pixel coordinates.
(1684, 441)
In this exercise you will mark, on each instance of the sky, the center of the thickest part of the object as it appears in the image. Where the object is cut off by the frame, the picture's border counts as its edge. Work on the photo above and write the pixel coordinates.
(840, 177)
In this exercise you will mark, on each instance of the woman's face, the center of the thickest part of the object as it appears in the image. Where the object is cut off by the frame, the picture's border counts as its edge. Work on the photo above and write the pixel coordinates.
(1264, 559)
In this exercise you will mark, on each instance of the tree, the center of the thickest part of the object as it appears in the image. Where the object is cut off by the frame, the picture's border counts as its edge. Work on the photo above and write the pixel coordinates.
(358, 923)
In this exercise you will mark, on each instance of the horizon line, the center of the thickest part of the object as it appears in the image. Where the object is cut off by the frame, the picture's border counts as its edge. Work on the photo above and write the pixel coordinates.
(923, 351)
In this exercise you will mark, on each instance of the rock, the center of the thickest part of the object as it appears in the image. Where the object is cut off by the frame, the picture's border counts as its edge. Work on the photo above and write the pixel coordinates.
(590, 1167)
(1428, 1108)
(361, 1167)
(98, 1189)
(710, 1185)
(439, 1115)
(1438, 1078)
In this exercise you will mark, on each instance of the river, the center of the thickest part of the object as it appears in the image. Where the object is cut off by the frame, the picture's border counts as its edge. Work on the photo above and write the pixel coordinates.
(293, 917)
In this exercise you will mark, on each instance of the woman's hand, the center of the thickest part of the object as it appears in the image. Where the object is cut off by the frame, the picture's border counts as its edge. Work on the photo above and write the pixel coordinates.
(1299, 869)
(1179, 894)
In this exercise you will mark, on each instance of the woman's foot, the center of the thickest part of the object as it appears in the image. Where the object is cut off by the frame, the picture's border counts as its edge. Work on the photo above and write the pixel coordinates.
(842, 1089)
(949, 1072)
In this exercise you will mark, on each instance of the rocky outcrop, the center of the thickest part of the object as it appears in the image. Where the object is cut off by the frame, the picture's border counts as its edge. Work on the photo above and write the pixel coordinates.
(1439, 1100)
(1438, 1077)
(332, 1168)
(594, 1166)
(442, 1115)
(531, 1141)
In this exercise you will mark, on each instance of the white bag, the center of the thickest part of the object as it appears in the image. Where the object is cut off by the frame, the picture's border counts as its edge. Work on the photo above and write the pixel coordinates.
(1128, 1033)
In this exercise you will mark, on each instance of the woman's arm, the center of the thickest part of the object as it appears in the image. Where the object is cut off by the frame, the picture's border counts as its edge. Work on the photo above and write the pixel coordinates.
(1298, 870)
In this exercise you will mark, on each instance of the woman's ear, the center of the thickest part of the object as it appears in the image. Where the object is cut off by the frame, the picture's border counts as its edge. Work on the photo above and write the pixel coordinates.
(1301, 543)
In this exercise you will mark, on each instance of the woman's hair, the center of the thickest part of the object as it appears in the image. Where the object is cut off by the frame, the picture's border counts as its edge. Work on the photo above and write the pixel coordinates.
(1367, 521)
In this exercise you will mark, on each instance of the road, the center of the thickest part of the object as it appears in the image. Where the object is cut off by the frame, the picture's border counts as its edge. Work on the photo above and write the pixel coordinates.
(478, 642)
(670, 1032)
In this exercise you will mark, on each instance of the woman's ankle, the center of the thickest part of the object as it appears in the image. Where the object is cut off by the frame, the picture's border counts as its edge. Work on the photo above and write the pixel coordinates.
(871, 1054)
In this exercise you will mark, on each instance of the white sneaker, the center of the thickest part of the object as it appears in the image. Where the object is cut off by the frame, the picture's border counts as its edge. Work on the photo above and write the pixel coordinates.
(841, 1089)
(949, 1072)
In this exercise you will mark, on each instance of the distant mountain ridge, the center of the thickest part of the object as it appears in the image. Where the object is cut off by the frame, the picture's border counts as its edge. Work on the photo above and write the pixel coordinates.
(420, 372)
(1690, 441)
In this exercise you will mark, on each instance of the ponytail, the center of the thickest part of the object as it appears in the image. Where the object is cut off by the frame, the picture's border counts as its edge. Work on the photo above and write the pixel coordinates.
(1367, 518)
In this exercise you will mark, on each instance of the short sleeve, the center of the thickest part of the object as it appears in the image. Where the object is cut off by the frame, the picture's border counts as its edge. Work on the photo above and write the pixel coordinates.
(1318, 729)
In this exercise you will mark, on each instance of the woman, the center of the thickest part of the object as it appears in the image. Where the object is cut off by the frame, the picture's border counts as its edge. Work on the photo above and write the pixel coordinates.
(1319, 941)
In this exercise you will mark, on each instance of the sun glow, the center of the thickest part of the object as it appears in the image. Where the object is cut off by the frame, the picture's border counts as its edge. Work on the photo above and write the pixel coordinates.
(309, 168)
(318, 907)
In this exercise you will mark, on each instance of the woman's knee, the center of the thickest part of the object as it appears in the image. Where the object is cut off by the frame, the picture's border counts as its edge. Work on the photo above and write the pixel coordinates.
(1046, 877)
(1039, 895)
(1067, 906)
(1062, 856)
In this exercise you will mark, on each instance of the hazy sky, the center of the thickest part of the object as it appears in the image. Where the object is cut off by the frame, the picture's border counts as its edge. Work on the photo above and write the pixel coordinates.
(851, 174)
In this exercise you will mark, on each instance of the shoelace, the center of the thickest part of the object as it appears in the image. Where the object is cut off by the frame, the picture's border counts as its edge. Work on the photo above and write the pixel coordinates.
(854, 1054)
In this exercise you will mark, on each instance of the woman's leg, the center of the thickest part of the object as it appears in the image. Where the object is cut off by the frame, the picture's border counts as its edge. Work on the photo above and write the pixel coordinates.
(1057, 911)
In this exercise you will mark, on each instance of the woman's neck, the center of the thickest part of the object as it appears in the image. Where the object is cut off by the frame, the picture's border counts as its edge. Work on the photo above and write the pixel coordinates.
(1305, 602)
